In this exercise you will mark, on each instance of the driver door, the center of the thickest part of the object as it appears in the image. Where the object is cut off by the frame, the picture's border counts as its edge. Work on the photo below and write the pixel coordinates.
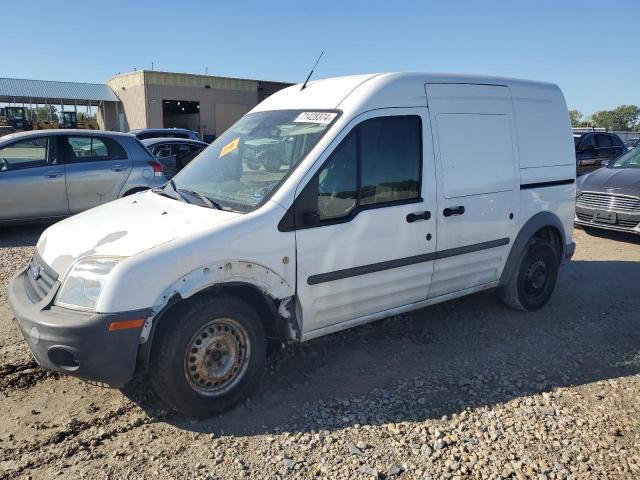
(365, 238)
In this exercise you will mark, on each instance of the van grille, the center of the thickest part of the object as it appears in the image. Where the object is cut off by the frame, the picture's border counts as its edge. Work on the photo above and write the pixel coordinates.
(608, 201)
(39, 279)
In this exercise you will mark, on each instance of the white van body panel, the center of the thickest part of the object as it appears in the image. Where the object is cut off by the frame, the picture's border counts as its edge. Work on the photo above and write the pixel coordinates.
(373, 236)
(171, 252)
(124, 228)
(477, 170)
(168, 245)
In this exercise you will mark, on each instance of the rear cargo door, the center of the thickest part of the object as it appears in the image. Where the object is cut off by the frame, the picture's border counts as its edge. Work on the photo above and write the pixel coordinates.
(478, 190)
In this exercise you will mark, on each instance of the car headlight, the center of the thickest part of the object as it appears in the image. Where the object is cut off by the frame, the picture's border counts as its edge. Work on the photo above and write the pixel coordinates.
(83, 284)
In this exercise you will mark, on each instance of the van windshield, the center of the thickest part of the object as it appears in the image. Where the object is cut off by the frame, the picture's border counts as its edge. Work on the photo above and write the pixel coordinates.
(244, 166)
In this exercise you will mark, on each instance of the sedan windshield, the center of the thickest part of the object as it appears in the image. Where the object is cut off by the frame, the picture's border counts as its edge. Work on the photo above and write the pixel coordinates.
(631, 159)
(242, 168)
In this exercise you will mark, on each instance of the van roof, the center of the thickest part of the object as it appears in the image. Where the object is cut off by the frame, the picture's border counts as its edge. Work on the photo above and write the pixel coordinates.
(380, 90)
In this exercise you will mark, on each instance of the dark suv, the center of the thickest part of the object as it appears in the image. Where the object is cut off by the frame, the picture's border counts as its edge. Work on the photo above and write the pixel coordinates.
(595, 150)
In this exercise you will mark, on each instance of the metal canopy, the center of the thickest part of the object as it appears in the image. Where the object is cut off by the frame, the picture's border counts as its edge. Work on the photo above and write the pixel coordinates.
(15, 90)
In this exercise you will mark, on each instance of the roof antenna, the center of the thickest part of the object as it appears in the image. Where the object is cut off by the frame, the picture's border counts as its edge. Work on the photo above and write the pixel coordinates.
(304, 85)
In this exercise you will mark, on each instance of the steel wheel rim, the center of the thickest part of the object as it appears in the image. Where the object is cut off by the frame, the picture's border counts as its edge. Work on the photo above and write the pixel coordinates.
(217, 356)
(536, 277)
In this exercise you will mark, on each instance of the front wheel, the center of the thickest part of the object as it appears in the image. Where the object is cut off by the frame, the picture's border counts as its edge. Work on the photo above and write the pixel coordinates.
(210, 356)
(533, 282)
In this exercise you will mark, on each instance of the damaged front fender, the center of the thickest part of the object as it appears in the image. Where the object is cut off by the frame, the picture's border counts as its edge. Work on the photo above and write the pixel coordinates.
(237, 271)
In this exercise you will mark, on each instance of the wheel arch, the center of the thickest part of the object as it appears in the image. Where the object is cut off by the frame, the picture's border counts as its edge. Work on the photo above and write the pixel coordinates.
(543, 224)
(258, 286)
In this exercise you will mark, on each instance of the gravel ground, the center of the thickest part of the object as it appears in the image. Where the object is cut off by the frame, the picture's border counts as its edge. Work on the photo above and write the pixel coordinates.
(465, 389)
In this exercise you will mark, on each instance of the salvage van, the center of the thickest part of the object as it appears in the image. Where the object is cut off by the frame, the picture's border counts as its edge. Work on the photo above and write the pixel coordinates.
(387, 193)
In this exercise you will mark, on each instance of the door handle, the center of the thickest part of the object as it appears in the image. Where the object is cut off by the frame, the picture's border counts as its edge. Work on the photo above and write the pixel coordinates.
(412, 217)
(118, 168)
(52, 174)
(459, 210)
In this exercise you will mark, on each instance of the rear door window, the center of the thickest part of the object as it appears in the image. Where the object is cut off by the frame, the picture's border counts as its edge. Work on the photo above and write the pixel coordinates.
(616, 141)
(31, 153)
(161, 151)
(588, 141)
(94, 149)
(603, 141)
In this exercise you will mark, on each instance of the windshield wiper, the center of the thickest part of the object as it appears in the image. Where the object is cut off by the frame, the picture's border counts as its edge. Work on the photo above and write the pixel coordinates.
(203, 198)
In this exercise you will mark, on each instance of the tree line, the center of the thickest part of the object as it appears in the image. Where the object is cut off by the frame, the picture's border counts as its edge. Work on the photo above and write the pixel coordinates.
(622, 118)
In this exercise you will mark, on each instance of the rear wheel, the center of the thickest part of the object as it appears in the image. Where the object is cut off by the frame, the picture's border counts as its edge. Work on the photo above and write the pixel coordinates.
(533, 282)
(210, 356)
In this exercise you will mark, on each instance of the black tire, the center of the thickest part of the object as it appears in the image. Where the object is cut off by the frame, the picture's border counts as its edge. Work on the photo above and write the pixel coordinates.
(533, 282)
(179, 362)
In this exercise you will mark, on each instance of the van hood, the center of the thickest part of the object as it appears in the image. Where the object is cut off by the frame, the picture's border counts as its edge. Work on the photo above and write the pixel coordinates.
(124, 228)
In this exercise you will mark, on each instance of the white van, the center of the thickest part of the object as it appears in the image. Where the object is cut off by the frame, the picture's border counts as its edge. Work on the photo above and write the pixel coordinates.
(325, 207)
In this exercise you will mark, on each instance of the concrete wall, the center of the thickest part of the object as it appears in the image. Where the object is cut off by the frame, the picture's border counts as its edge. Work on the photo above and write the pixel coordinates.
(108, 116)
(130, 89)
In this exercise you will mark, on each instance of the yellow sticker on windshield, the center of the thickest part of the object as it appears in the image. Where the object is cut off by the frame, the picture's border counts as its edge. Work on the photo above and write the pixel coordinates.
(230, 147)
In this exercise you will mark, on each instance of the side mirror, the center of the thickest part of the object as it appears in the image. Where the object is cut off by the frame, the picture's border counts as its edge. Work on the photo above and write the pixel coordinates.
(311, 218)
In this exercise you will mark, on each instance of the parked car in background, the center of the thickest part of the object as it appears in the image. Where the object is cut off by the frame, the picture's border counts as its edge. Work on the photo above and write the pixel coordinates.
(50, 174)
(595, 149)
(174, 153)
(144, 133)
(609, 198)
(374, 207)
(632, 143)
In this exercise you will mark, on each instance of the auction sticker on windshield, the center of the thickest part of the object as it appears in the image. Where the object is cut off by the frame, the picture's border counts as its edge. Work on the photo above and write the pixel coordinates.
(230, 147)
(316, 117)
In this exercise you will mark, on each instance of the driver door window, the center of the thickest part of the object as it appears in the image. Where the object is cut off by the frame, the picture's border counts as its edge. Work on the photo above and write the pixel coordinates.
(338, 182)
(32, 153)
(378, 164)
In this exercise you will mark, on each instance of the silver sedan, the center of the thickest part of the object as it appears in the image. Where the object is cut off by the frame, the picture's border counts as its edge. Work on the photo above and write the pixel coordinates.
(50, 174)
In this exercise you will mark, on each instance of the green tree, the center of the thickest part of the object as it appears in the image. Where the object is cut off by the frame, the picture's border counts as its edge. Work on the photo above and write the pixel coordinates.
(577, 118)
(624, 117)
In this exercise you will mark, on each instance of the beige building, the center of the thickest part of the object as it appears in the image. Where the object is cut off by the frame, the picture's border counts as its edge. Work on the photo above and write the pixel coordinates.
(206, 104)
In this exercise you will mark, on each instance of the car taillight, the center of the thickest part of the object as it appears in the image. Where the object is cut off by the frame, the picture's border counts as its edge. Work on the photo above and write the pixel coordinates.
(157, 168)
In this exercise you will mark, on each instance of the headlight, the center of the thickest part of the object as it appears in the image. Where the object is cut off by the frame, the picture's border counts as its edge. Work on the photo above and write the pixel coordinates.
(83, 284)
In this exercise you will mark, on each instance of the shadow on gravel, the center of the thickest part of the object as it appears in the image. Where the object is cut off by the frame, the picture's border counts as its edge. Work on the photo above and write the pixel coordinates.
(20, 236)
(440, 360)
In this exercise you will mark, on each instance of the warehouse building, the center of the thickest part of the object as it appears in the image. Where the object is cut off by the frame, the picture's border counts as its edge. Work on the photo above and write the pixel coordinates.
(203, 103)
(145, 99)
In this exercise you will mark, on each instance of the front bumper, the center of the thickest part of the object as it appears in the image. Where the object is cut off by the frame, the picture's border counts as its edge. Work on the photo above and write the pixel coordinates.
(73, 342)
(570, 249)
(625, 221)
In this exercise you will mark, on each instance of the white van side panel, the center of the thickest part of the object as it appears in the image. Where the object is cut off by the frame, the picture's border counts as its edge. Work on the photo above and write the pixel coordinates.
(544, 131)
(476, 153)
(546, 151)
(477, 169)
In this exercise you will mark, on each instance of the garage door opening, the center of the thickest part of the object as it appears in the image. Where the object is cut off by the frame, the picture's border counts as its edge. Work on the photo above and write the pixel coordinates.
(181, 114)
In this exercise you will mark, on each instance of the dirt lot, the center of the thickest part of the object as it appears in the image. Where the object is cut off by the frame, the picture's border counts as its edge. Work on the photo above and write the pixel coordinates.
(463, 389)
